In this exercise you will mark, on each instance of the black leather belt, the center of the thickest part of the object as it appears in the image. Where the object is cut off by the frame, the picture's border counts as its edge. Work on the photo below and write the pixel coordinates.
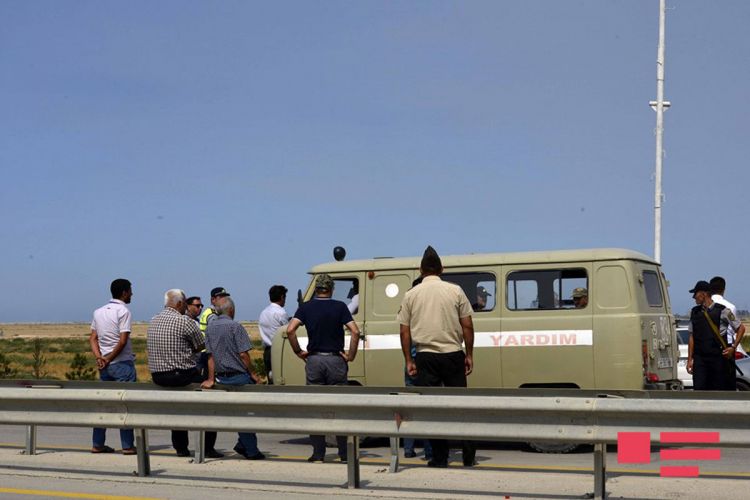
(322, 353)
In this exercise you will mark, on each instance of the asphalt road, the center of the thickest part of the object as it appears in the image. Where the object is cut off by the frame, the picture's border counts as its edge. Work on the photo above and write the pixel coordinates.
(65, 466)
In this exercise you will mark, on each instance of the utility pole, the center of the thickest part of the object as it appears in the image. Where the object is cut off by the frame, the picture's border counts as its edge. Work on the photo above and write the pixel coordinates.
(659, 105)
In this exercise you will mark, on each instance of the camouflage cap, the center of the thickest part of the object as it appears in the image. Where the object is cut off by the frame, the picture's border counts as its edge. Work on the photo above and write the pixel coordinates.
(324, 281)
(580, 292)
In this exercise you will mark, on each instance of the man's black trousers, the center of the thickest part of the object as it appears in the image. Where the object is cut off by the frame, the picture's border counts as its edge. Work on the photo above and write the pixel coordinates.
(444, 370)
(713, 373)
(181, 378)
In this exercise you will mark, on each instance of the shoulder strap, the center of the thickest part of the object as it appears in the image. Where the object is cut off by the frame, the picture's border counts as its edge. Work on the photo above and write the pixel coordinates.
(715, 329)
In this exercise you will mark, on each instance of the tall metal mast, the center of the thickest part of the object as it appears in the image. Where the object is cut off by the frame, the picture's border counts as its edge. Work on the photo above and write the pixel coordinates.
(659, 105)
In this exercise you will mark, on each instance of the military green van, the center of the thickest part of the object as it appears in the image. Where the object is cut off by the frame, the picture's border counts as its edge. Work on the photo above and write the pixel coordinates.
(529, 330)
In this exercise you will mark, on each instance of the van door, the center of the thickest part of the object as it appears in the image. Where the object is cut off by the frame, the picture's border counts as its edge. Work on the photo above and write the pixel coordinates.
(346, 288)
(657, 325)
(618, 362)
(382, 346)
(546, 338)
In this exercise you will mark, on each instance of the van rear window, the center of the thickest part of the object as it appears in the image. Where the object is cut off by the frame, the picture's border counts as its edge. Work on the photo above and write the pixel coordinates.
(653, 289)
(547, 289)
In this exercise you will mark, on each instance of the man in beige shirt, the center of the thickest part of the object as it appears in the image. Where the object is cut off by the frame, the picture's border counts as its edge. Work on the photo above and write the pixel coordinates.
(436, 317)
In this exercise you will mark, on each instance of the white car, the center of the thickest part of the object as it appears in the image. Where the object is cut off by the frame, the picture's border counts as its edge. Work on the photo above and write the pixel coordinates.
(743, 363)
(682, 340)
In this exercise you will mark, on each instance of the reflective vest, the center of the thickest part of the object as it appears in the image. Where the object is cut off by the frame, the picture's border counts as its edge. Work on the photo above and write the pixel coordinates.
(204, 318)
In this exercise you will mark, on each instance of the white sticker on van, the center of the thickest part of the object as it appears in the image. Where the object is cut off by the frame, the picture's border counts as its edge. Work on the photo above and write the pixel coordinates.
(534, 338)
(391, 290)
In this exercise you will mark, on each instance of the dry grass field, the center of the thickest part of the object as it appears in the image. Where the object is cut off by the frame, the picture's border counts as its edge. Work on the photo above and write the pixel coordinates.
(60, 342)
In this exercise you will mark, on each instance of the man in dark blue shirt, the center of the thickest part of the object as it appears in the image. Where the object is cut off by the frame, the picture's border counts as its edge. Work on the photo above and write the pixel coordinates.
(326, 361)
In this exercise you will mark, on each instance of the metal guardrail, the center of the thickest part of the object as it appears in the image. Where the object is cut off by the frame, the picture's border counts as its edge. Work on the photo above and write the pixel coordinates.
(495, 415)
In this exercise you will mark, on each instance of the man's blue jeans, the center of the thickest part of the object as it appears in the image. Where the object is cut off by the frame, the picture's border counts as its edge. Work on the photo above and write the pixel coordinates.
(247, 440)
(124, 371)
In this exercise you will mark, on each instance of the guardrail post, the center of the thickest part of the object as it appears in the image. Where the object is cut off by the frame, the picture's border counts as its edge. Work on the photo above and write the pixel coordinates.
(141, 445)
(31, 439)
(352, 461)
(600, 470)
(394, 455)
(200, 447)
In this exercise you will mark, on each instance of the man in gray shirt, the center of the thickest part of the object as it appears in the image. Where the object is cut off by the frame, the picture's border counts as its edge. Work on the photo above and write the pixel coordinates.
(228, 347)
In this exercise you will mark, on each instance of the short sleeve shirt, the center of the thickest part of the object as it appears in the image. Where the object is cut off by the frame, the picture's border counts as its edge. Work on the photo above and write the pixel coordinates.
(432, 311)
(324, 319)
(731, 329)
(728, 322)
(172, 339)
(271, 319)
(110, 321)
(225, 340)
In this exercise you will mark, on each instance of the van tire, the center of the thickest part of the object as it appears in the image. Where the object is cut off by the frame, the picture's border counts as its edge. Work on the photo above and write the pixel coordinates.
(549, 447)
(742, 385)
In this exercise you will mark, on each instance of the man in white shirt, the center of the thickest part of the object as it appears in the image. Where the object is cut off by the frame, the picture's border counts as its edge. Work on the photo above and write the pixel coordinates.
(271, 319)
(110, 343)
(718, 287)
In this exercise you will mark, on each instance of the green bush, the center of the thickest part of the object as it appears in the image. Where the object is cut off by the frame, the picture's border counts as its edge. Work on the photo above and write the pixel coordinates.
(259, 367)
(80, 369)
(6, 370)
(39, 360)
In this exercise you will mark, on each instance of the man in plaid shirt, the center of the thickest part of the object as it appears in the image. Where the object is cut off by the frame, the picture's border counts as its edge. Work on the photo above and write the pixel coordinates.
(172, 341)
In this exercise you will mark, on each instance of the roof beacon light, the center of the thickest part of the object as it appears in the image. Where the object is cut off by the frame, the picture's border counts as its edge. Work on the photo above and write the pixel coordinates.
(339, 253)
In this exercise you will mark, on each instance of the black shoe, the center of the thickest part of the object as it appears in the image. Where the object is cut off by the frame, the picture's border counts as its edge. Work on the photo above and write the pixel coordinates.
(214, 454)
(257, 456)
(435, 463)
(343, 460)
(470, 463)
(183, 453)
(410, 454)
(239, 449)
(313, 458)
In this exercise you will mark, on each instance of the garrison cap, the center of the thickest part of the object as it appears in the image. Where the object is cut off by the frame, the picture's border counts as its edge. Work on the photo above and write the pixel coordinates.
(431, 261)
(324, 282)
(580, 292)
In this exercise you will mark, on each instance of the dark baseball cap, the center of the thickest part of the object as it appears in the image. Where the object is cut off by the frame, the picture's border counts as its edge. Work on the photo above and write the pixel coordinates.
(482, 291)
(701, 286)
(219, 291)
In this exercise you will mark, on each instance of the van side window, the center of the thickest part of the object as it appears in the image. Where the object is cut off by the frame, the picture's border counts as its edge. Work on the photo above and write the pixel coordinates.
(546, 289)
(347, 291)
(479, 288)
(653, 290)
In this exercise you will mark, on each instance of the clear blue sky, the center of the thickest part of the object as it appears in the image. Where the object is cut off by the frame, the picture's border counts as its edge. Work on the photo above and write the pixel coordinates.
(195, 144)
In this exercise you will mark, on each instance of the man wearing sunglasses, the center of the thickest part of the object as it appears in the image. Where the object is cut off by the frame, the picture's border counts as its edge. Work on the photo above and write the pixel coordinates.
(194, 308)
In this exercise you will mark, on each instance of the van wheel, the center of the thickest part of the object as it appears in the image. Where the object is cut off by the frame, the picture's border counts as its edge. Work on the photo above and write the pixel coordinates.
(742, 385)
(548, 447)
